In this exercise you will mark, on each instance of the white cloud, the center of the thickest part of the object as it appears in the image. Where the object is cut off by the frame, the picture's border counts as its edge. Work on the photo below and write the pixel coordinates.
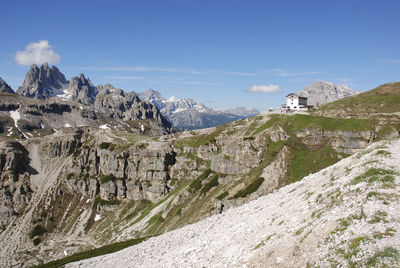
(264, 88)
(37, 53)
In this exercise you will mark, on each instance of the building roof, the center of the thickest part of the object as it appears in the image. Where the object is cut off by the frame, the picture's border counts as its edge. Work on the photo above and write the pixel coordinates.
(296, 96)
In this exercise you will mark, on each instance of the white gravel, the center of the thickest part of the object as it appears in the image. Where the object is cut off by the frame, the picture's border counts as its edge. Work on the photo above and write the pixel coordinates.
(322, 220)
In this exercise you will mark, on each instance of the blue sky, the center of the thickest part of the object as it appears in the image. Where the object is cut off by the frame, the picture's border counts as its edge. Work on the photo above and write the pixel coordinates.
(211, 51)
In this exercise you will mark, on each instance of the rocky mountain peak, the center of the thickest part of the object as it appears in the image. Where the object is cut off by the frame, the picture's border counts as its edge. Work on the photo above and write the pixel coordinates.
(322, 92)
(4, 87)
(109, 89)
(42, 82)
(82, 89)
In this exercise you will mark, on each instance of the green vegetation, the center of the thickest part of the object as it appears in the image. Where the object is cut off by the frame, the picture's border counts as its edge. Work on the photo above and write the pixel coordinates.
(222, 196)
(156, 219)
(379, 216)
(36, 241)
(109, 177)
(299, 122)
(375, 174)
(92, 253)
(303, 161)
(251, 188)
(37, 231)
(107, 145)
(196, 184)
(383, 99)
(212, 183)
(197, 141)
(389, 252)
(102, 202)
(383, 153)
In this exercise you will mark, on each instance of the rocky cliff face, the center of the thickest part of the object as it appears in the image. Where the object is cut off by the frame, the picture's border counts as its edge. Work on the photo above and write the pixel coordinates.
(323, 92)
(15, 190)
(82, 90)
(42, 82)
(53, 102)
(4, 87)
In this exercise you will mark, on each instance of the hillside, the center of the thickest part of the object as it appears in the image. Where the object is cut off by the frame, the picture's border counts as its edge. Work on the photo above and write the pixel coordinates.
(86, 187)
(344, 215)
(373, 103)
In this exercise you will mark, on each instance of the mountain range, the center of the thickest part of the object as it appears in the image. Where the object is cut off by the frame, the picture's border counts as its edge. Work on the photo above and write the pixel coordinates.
(188, 114)
(48, 83)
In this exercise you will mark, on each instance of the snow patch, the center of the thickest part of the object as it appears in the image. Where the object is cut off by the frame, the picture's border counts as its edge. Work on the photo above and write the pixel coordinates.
(67, 125)
(105, 126)
(97, 217)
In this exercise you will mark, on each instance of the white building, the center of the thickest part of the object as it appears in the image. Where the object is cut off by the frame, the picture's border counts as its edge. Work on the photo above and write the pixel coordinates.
(295, 102)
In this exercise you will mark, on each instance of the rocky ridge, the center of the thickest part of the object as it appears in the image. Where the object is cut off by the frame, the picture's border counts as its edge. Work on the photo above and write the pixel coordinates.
(323, 92)
(47, 102)
(4, 87)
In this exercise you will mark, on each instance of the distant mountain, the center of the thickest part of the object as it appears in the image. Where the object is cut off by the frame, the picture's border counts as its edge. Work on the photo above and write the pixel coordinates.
(43, 82)
(48, 101)
(189, 114)
(323, 92)
(4, 87)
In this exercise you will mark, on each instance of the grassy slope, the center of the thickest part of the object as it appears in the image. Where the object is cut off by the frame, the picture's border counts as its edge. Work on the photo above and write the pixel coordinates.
(383, 99)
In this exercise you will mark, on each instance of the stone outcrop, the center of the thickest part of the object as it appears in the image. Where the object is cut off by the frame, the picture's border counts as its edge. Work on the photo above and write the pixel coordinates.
(15, 191)
(347, 142)
(323, 92)
(82, 90)
(4, 87)
(42, 82)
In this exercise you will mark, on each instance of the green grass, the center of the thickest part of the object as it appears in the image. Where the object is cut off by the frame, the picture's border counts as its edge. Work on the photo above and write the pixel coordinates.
(212, 183)
(375, 174)
(383, 99)
(156, 219)
(102, 202)
(92, 253)
(273, 119)
(107, 145)
(251, 188)
(196, 184)
(109, 177)
(222, 196)
(388, 252)
(304, 162)
(199, 140)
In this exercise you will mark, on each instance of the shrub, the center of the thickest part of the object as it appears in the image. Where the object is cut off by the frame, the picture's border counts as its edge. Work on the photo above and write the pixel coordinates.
(36, 231)
(222, 196)
(212, 183)
(107, 178)
(37, 241)
(252, 187)
(107, 145)
(196, 184)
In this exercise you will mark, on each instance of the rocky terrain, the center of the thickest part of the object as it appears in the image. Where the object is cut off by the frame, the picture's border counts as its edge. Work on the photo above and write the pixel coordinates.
(4, 87)
(188, 114)
(343, 216)
(323, 92)
(81, 187)
(47, 102)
